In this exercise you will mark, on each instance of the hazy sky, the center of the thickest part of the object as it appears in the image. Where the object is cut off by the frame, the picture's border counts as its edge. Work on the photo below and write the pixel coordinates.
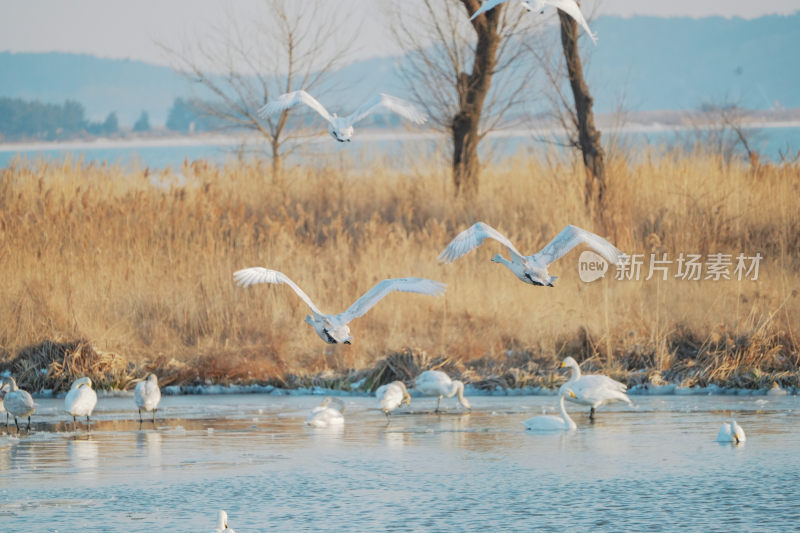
(120, 29)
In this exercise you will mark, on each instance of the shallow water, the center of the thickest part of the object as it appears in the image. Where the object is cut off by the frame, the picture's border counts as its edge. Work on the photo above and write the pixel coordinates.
(651, 467)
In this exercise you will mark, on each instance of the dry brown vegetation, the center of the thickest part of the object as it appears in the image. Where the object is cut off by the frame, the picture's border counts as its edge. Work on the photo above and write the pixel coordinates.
(102, 261)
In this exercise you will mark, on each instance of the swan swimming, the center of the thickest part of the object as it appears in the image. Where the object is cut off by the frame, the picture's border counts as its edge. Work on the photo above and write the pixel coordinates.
(392, 396)
(18, 402)
(570, 7)
(222, 523)
(552, 422)
(731, 432)
(593, 389)
(330, 413)
(776, 390)
(147, 395)
(437, 383)
(341, 128)
(333, 329)
(80, 399)
(533, 268)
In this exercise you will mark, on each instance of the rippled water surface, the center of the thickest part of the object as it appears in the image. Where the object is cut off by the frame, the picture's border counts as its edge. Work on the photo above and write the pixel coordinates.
(652, 467)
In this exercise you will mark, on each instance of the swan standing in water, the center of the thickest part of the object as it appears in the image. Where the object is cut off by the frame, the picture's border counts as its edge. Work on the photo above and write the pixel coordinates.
(437, 383)
(80, 399)
(552, 422)
(341, 128)
(222, 523)
(147, 395)
(593, 389)
(330, 413)
(4, 388)
(570, 7)
(392, 396)
(731, 432)
(533, 268)
(18, 402)
(333, 329)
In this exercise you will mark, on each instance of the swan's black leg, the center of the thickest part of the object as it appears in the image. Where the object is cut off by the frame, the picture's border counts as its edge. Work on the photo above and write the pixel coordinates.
(591, 414)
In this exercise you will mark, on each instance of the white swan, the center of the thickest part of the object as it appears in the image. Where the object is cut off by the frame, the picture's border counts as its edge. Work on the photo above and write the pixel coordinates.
(437, 383)
(147, 395)
(80, 399)
(533, 268)
(391, 396)
(776, 390)
(18, 402)
(570, 7)
(593, 389)
(330, 413)
(4, 388)
(222, 523)
(552, 422)
(333, 329)
(731, 432)
(341, 128)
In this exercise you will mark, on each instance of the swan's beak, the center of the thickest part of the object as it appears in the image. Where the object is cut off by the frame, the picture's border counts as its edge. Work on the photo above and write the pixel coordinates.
(563, 365)
(346, 342)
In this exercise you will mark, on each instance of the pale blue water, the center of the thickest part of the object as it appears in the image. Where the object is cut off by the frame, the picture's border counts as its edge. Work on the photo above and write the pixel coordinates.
(652, 467)
(770, 142)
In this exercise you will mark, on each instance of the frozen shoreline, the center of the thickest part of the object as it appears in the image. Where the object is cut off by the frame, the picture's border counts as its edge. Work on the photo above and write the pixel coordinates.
(102, 143)
(469, 390)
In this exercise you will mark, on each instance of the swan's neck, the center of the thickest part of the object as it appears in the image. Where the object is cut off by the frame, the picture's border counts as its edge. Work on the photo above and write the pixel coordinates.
(567, 420)
(576, 372)
(457, 388)
(221, 525)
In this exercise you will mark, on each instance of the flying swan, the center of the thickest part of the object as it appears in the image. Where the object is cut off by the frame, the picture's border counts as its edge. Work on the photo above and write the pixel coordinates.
(731, 432)
(147, 395)
(593, 389)
(330, 413)
(391, 396)
(437, 383)
(570, 7)
(222, 523)
(18, 402)
(80, 399)
(333, 329)
(533, 268)
(341, 128)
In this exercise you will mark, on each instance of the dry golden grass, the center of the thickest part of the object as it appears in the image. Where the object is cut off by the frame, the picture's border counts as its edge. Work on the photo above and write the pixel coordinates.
(92, 252)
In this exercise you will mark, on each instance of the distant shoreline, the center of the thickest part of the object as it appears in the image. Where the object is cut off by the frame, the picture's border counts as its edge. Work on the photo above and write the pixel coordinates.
(104, 143)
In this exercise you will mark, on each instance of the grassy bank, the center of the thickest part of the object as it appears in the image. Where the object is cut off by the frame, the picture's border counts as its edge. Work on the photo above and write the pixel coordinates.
(134, 277)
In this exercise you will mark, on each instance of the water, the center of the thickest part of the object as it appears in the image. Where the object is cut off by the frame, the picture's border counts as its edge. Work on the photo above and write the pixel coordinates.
(653, 467)
(397, 150)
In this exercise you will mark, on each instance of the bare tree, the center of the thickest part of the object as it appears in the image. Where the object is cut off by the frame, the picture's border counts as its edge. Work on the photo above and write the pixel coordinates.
(468, 76)
(574, 111)
(286, 46)
(588, 136)
(719, 129)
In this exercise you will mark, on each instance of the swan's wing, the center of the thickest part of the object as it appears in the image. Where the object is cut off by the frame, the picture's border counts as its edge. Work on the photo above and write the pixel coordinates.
(471, 238)
(285, 101)
(571, 8)
(489, 4)
(382, 288)
(392, 103)
(570, 237)
(253, 275)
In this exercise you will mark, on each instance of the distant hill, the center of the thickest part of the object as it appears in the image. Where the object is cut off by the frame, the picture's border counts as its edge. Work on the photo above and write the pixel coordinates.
(648, 63)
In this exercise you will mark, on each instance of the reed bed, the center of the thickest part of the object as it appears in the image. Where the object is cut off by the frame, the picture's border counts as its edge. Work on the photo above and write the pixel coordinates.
(139, 264)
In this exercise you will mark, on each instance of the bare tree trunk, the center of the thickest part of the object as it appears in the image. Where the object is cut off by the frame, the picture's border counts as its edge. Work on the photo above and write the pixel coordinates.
(277, 159)
(472, 91)
(588, 136)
